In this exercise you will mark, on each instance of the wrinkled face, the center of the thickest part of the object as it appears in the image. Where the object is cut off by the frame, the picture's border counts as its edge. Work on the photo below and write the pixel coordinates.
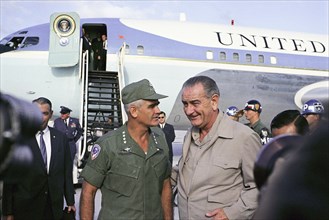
(65, 116)
(47, 113)
(199, 108)
(147, 113)
(162, 118)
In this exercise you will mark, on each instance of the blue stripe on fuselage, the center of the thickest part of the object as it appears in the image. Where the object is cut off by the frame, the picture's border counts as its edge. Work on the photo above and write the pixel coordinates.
(158, 46)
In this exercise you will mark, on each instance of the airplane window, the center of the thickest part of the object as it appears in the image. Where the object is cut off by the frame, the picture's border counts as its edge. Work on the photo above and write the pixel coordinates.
(30, 41)
(210, 55)
(222, 56)
(23, 32)
(127, 49)
(15, 42)
(248, 57)
(261, 59)
(273, 60)
(140, 50)
(235, 57)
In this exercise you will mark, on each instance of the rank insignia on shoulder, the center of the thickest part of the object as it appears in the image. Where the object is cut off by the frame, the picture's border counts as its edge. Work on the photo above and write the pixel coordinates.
(95, 151)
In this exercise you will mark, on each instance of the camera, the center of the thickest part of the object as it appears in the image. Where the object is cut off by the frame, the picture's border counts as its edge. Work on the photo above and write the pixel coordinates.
(19, 121)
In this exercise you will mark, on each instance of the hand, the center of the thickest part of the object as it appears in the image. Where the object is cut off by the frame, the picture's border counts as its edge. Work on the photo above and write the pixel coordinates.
(71, 209)
(217, 214)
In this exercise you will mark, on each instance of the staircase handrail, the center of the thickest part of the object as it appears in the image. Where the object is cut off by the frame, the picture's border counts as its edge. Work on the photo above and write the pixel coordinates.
(121, 78)
(84, 104)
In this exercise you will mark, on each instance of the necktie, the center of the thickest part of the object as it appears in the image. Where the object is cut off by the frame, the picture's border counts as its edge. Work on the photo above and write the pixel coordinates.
(65, 122)
(43, 148)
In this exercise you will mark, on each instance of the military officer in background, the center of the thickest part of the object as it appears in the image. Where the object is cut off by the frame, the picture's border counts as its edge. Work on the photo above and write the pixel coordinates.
(70, 127)
(252, 112)
(313, 111)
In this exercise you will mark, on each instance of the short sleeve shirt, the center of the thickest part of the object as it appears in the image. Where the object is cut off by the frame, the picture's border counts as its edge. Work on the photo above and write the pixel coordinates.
(130, 180)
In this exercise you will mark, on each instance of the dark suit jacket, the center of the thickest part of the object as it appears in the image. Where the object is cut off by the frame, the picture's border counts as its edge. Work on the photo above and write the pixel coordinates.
(170, 137)
(73, 132)
(26, 198)
(86, 45)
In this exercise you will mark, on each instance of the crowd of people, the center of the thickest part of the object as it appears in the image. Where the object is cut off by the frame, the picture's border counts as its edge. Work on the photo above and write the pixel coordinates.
(228, 170)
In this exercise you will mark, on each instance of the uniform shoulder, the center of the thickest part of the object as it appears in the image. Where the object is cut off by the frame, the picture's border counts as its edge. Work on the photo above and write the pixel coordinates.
(156, 130)
(113, 134)
(57, 119)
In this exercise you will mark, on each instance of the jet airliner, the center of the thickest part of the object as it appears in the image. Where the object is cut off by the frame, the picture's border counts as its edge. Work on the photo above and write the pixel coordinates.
(280, 69)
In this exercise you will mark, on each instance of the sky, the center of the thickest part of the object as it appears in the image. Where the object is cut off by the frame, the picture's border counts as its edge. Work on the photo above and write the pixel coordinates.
(298, 16)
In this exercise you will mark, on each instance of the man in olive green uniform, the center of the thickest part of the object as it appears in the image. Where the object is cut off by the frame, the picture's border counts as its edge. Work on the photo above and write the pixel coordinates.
(252, 112)
(131, 164)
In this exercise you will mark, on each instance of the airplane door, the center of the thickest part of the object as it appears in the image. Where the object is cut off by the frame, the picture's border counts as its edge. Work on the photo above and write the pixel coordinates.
(64, 42)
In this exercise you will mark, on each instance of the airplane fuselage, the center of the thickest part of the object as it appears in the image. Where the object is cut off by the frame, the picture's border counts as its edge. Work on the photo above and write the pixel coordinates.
(279, 69)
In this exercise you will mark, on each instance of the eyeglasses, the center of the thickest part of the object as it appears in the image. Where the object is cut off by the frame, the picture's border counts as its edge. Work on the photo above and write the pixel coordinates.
(160, 117)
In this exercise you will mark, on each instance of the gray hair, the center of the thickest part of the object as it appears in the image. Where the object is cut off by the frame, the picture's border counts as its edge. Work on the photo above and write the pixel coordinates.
(137, 103)
(208, 84)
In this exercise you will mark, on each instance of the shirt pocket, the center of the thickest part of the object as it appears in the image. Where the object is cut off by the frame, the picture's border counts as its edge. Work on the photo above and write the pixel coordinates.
(161, 167)
(226, 174)
(122, 178)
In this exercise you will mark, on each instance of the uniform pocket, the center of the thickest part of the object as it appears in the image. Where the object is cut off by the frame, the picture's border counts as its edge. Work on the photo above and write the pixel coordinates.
(160, 167)
(122, 177)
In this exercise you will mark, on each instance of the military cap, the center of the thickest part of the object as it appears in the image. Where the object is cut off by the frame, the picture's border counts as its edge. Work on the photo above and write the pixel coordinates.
(253, 105)
(139, 90)
(65, 110)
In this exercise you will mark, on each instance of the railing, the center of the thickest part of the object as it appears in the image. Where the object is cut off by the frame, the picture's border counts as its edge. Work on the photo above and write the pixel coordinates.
(85, 112)
(121, 78)
(84, 103)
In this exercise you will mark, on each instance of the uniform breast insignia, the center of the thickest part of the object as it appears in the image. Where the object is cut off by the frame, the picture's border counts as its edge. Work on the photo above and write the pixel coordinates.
(126, 150)
(95, 151)
(264, 136)
(73, 125)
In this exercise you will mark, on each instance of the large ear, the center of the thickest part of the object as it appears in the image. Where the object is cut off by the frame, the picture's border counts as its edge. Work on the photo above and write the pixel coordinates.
(133, 110)
(214, 101)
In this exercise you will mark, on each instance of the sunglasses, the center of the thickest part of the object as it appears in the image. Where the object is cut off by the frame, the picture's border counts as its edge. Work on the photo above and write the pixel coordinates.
(160, 117)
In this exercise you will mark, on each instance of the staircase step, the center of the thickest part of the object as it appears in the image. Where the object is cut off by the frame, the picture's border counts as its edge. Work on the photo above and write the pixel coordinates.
(103, 86)
(104, 101)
